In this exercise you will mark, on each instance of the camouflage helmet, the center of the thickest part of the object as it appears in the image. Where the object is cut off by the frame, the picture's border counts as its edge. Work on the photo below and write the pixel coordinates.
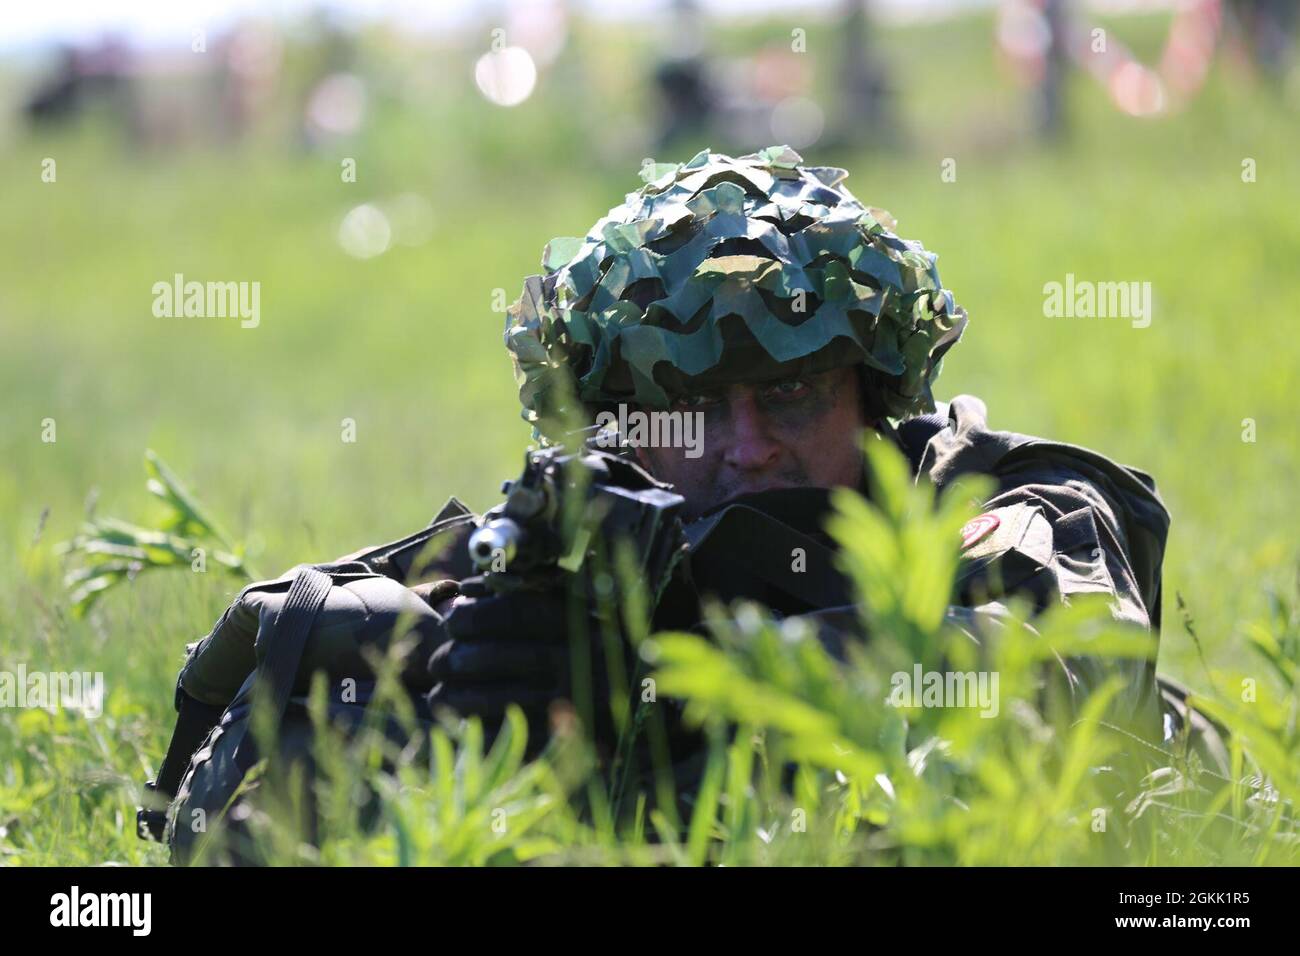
(730, 269)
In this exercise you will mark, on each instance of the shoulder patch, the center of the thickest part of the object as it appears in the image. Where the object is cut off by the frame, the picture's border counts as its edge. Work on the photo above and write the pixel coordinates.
(977, 528)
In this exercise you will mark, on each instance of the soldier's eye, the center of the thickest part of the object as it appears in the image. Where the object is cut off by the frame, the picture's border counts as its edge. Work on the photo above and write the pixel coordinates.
(788, 389)
(696, 401)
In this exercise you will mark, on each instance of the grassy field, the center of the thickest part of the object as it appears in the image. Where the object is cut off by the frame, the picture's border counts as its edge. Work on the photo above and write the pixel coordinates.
(408, 346)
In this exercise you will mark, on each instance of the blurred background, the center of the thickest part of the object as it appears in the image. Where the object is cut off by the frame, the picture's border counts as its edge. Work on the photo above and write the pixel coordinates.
(390, 171)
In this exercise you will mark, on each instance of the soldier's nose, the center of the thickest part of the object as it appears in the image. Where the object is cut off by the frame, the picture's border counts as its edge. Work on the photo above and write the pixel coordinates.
(749, 446)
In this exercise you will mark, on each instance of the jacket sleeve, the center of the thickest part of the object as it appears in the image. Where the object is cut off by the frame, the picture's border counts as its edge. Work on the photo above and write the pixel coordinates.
(1052, 533)
(1063, 521)
(1055, 534)
(216, 666)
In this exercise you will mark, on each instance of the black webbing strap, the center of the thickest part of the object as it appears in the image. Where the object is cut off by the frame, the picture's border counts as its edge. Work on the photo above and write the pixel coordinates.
(279, 667)
(275, 677)
(194, 721)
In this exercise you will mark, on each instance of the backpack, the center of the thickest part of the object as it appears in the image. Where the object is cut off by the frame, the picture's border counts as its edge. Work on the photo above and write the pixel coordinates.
(265, 649)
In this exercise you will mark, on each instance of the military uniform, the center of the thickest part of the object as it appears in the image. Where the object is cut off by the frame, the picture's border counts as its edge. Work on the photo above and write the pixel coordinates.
(717, 270)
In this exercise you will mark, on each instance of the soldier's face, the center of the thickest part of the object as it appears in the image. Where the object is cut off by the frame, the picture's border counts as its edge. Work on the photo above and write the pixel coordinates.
(785, 433)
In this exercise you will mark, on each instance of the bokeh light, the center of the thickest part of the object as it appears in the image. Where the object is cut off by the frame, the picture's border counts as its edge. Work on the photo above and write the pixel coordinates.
(365, 232)
(506, 76)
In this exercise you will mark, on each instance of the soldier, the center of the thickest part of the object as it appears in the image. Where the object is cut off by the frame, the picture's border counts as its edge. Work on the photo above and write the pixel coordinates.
(758, 295)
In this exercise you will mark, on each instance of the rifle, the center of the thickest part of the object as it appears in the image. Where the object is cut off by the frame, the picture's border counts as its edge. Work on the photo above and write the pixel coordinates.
(568, 512)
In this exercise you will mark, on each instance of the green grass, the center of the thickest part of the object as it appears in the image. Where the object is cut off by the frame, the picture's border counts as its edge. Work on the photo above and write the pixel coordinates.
(408, 346)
